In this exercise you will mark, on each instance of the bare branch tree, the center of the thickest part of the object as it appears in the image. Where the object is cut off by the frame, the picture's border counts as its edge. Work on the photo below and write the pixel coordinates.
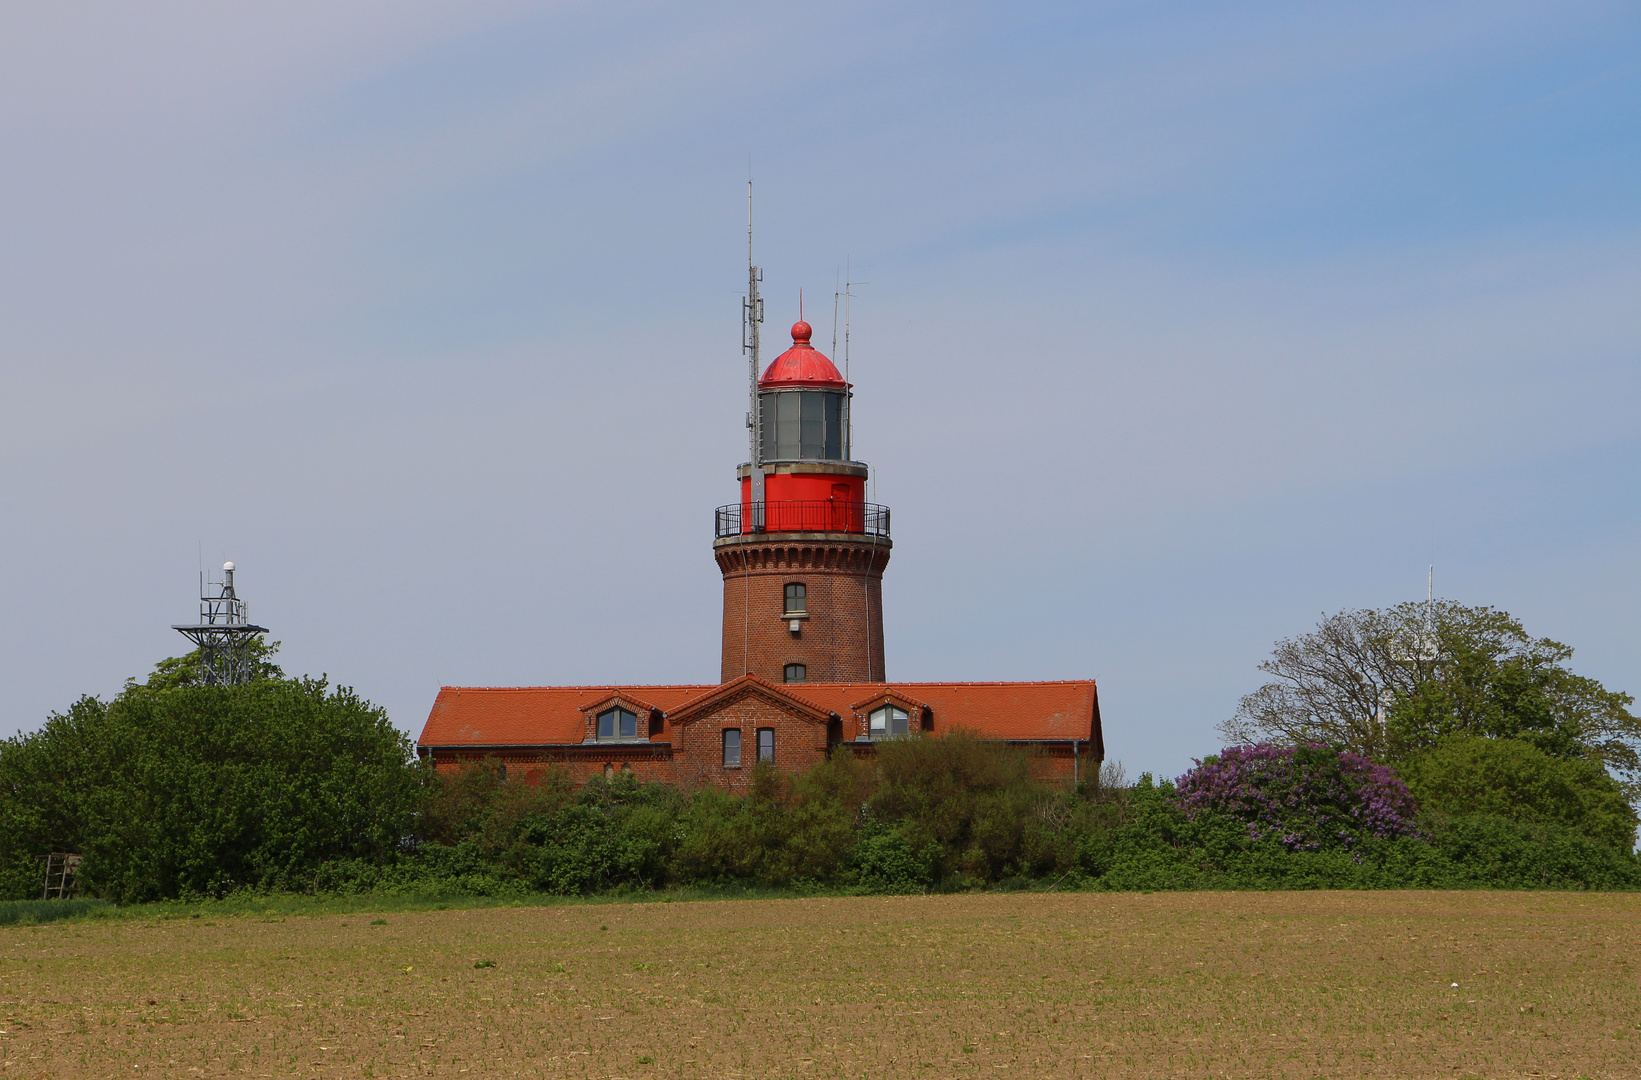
(1389, 682)
(1335, 684)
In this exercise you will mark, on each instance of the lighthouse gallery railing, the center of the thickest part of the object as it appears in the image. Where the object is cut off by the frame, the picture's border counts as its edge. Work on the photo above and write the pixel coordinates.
(821, 515)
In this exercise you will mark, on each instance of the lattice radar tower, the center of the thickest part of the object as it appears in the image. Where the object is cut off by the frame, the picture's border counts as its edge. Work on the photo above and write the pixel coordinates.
(223, 634)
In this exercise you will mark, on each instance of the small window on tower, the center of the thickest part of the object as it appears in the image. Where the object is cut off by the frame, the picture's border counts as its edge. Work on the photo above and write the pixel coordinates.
(617, 723)
(732, 748)
(796, 673)
(797, 599)
(887, 722)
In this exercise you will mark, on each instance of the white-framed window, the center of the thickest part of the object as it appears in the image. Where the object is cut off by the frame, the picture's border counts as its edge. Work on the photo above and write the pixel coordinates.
(617, 723)
(732, 748)
(886, 722)
(766, 744)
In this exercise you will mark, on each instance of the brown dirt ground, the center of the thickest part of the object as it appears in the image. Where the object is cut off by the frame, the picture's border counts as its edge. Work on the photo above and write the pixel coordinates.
(1165, 985)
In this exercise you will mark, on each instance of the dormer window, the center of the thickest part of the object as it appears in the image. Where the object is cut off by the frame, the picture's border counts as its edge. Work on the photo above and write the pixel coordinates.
(797, 599)
(617, 723)
(887, 722)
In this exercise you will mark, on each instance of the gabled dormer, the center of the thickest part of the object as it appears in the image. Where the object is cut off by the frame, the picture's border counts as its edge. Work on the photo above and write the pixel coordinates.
(890, 714)
(620, 717)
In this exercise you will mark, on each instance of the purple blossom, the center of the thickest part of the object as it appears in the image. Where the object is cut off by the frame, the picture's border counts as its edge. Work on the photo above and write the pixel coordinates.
(1306, 797)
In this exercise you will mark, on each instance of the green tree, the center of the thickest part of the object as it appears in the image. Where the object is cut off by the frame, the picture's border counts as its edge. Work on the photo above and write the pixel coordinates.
(172, 790)
(1389, 683)
(178, 671)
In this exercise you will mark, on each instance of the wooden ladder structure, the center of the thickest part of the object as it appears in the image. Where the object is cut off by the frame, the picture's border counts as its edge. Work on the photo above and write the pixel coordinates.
(61, 868)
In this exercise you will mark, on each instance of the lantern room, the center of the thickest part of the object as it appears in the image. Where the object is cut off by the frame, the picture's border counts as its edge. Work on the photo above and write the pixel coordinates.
(804, 405)
(809, 481)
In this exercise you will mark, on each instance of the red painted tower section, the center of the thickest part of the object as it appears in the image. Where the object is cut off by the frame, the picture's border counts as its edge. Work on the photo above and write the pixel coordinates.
(803, 569)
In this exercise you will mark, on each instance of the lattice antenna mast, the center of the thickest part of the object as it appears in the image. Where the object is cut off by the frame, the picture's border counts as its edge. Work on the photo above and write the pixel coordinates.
(752, 316)
(223, 634)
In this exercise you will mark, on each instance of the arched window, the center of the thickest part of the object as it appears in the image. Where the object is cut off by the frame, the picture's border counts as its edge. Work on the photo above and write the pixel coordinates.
(886, 722)
(797, 599)
(617, 723)
(795, 673)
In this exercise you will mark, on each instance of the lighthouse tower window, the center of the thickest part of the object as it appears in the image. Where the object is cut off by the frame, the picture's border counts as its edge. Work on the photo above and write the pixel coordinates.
(617, 723)
(795, 673)
(887, 722)
(803, 425)
(797, 599)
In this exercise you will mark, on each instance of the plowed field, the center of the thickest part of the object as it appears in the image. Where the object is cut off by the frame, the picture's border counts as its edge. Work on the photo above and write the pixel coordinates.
(1167, 985)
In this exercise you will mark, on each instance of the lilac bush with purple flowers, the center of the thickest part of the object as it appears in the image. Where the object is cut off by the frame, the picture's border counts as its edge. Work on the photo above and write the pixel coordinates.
(1305, 797)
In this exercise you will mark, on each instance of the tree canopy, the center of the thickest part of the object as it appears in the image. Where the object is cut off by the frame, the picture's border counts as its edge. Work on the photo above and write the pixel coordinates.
(1391, 683)
(174, 789)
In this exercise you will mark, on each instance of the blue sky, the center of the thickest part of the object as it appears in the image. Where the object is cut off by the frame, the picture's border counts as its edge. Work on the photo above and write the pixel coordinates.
(1183, 324)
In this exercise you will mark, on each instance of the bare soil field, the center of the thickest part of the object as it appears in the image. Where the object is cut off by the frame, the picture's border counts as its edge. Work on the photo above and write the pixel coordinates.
(1165, 985)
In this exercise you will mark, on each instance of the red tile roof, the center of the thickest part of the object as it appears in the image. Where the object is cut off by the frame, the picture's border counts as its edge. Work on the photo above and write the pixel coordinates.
(550, 715)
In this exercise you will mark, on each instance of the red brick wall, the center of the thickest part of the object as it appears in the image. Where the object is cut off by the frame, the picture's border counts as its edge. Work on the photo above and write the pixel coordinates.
(693, 757)
(842, 638)
(647, 761)
(799, 741)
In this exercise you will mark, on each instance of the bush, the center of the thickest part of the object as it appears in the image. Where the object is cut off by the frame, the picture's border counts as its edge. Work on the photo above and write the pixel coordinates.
(886, 861)
(1517, 781)
(1160, 847)
(975, 803)
(202, 790)
(1307, 798)
(1491, 851)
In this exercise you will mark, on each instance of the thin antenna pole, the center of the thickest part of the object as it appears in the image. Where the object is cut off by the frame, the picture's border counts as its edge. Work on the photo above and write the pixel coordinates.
(752, 315)
(848, 296)
(835, 290)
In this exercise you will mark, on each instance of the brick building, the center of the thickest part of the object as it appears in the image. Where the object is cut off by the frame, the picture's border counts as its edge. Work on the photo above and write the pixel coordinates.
(802, 554)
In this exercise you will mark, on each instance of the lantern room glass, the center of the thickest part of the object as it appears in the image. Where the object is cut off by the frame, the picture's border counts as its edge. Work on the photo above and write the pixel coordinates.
(805, 425)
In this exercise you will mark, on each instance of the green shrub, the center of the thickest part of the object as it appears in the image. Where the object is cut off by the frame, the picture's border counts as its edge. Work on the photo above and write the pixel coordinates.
(886, 861)
(975, 802)
(1513, 779)
(1496, 852)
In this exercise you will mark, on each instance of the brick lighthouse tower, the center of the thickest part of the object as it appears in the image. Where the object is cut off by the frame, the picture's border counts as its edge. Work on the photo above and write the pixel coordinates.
(803, 552)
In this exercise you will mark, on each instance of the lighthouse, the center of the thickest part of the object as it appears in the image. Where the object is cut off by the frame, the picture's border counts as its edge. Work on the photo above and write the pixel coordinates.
(802, 552)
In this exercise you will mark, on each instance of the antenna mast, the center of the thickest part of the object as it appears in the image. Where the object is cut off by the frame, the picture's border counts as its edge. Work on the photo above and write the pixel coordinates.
(223, 635)
(752, 314)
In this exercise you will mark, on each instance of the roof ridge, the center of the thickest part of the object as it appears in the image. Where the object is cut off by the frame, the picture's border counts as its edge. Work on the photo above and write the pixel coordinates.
(594, 686)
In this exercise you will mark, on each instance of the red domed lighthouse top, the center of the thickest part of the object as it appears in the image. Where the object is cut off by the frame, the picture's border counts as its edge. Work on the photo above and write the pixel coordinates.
(801, 365)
